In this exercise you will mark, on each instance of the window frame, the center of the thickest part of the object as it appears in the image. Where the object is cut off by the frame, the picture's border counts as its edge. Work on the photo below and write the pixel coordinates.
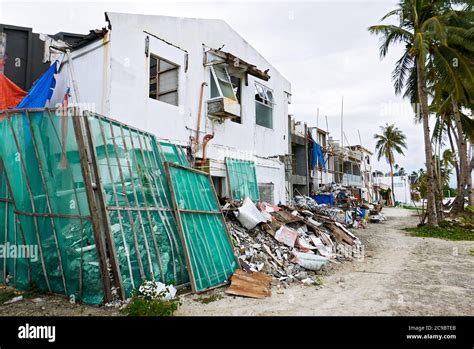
(216, 82)
(264, 96)
(175, 67)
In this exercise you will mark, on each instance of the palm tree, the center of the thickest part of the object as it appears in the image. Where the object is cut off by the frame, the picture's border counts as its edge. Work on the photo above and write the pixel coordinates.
(452, 95)
(422, 29)
(391, 140)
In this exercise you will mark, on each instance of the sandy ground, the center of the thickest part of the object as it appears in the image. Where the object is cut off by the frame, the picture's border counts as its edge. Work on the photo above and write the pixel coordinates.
(400, 275)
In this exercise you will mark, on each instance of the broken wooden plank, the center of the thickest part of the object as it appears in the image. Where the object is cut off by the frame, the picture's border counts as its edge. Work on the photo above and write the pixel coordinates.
(286, 217)
(339, 234)
(253, 285)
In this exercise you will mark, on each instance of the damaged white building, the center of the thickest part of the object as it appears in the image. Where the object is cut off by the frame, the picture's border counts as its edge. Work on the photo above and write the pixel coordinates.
(194, 82)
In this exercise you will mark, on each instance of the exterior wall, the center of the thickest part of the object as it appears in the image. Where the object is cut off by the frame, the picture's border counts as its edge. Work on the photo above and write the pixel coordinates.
(21, 51)
(401, 186)
(114, 77)
(129, 82)
(91, 72)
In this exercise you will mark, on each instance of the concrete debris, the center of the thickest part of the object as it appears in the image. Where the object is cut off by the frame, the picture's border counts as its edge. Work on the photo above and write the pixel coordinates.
(14, 300)
(249, 215)
(305, 202)
(296, 244)
(286, 235)
(310, 261)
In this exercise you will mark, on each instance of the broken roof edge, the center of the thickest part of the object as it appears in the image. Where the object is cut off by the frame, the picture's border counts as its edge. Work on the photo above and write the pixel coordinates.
(83, 39)
(251, 69)
(361, 147)
(109, 14)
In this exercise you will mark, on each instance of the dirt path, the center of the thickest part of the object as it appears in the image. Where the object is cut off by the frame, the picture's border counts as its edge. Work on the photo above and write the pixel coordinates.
(401, 275)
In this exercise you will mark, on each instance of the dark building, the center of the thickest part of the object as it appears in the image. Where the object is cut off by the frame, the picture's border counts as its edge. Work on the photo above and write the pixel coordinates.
(23, 53)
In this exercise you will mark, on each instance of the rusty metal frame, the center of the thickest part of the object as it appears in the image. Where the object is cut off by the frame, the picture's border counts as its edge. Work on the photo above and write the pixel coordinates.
(100, 246)
(32, 202)
(104, 217)
(151, 165)
(178, 211)
(169, 205)
(15, 223)
(241, 171)
(34, 141)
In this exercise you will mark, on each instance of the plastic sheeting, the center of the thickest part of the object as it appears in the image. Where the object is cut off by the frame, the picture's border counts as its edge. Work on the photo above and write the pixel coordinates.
(138, 203)
(52, 212)
(316, 154)
(206, 240)
(242, 179)
(172, 153)
(249, 215)
(42, 89)
(10, 94)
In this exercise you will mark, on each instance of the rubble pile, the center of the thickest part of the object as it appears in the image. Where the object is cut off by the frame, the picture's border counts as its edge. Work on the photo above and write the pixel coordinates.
(291, 244)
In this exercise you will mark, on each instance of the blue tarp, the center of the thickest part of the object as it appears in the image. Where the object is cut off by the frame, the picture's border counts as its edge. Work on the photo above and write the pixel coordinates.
(317, 154)
(41, 91)
(327, 199)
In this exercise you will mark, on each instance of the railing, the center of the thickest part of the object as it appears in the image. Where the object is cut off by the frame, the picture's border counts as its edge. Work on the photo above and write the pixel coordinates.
(351, 180)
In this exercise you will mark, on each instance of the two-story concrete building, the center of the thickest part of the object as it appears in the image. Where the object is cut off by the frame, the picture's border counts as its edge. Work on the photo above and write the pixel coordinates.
(194, 82)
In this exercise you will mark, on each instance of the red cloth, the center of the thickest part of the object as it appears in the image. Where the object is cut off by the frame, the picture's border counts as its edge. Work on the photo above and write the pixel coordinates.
(10, 94)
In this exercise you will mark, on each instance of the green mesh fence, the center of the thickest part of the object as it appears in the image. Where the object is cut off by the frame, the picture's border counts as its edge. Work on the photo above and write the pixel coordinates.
(172, 153)
(242, 179)
(7, 231)
(207, 243)
(42, 168)
(138, 203)
(45, 205)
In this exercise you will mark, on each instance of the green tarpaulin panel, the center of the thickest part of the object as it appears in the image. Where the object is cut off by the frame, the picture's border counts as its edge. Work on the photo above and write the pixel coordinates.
(172, 153)
(41, 164)
(138, 203)
(242, 179)
(205, 237)
(7, 231)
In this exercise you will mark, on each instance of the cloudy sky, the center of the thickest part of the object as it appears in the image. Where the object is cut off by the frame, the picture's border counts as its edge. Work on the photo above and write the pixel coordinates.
(322, 47)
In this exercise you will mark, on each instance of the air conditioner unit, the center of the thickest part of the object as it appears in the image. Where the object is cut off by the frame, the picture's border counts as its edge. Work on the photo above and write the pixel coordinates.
(223, 108)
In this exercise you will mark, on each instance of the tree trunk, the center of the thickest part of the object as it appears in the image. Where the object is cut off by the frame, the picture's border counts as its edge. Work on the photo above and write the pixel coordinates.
(423, 100)
(393, 192)
(462, 149)
(457, 204)
(470, 191)
(439, 191)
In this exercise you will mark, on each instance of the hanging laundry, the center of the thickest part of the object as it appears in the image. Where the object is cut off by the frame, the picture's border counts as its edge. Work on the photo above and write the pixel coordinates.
(10, 94)
(42, 90)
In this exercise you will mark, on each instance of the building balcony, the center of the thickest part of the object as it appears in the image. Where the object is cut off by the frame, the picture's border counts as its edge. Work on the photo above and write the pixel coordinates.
(352, 180)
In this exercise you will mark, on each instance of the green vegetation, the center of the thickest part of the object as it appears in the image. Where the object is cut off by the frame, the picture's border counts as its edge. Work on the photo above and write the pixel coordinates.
(140, 306)
(152, 298)
(6, 294)
(32, 291)
(435, 72)
(209, 299)
(447, 230)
